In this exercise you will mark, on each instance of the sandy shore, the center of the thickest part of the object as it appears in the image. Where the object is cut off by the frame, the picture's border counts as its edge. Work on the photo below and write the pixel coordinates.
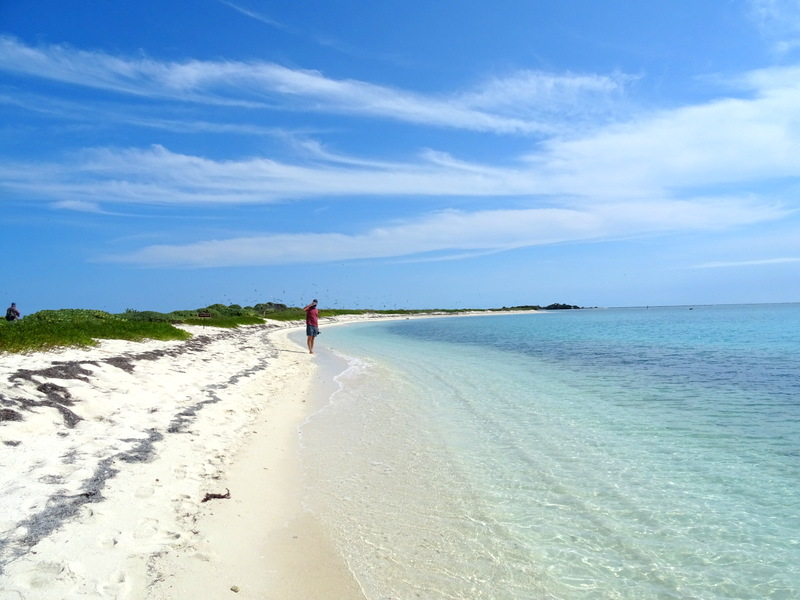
(107, 455)
(163, 470)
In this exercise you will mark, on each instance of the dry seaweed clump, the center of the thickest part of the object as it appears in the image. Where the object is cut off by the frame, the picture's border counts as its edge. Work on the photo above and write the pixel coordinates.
(6, 414)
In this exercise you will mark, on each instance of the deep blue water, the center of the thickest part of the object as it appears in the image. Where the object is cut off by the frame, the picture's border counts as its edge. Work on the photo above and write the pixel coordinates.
(621, 453)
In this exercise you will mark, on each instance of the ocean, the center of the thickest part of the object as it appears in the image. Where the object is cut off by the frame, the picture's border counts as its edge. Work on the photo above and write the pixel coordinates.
(629, 453)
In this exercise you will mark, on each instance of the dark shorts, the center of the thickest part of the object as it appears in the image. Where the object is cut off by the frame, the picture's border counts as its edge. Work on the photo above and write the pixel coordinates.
(312, 330)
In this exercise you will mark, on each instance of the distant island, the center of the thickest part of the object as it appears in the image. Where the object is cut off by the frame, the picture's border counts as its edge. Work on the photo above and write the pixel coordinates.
(556, 306)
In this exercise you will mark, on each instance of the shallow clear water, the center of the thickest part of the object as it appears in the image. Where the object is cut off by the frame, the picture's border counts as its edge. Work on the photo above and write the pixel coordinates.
(624, 453)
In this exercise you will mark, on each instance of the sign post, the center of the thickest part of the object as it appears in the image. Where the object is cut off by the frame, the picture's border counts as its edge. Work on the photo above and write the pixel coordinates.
(204, 315)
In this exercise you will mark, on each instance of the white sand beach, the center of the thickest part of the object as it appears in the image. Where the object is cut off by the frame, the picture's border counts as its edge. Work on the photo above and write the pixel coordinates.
(107, 455)
(164, 470)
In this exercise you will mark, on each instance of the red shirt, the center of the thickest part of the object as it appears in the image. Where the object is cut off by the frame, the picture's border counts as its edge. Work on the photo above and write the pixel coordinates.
(312, 316)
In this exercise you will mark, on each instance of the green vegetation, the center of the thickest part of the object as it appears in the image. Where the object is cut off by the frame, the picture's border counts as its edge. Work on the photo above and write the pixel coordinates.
(48, 329)
(223, 321)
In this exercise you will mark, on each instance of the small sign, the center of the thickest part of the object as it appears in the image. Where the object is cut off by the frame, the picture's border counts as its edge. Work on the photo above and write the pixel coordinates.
(204, 315)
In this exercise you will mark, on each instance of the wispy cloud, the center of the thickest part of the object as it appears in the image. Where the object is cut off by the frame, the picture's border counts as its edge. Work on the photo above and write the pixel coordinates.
(540, 96)
(254, 14)
(658, 172)
(724, 141)
(779, 22)
(157, 176)
(111, 114)
(516, 105)
(748, 263)
(454, 231)
(324, 40)
(78, 206)
(744, 142)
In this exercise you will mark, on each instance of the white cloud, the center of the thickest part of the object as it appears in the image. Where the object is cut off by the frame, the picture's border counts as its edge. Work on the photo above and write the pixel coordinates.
(726, 141)
(157, 176)
(746, 142)
(550, 98)
(667, 171)
(450, 231)
(743, 142)
(518, 104)
(79, 206)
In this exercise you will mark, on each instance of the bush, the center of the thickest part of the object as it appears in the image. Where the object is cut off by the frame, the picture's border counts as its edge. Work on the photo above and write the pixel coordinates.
(149, 315)
(50, 329)
(223, 321)
(269, 307)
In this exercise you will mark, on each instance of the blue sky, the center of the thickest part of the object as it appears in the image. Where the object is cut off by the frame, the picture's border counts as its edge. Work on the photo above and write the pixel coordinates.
(162, 154)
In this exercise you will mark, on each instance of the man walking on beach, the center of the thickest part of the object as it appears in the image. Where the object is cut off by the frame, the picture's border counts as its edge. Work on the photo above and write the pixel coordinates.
(12, 314)
(312, 324)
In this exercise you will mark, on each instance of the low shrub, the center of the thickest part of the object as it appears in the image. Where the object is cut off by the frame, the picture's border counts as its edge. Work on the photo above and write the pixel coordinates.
(223, 321)
(50, 329)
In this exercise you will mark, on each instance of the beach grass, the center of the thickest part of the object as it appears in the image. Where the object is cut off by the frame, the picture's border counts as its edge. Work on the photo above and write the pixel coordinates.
(49, 329)
(223, 321)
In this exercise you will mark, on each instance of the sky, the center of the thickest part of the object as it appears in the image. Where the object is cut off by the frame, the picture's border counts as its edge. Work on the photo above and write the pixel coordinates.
(168, 155)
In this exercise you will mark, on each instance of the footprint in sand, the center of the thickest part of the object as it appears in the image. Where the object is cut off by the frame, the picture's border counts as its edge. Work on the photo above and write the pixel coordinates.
(47, 573)
(108, 540)
(111, 589)
(144, 492)
(146, 528)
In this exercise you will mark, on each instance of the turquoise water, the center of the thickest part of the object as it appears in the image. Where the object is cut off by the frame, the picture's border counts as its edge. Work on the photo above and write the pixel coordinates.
(621, 453)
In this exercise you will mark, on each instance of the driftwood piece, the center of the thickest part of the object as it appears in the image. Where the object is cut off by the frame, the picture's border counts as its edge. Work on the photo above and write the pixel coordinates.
(210, 496)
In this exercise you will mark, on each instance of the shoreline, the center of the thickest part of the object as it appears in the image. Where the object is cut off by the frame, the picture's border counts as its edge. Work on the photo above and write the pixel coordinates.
(107, 454)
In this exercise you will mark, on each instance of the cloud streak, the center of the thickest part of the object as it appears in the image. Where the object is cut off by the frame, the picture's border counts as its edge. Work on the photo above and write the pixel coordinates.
(451, 231)
(731, 141)
(258, 16)
(525, 103)
(748, 263)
